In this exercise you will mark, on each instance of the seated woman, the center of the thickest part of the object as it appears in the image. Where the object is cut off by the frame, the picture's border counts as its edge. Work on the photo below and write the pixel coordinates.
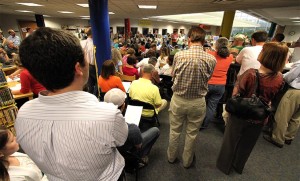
(162, 59)
(16, 166)
(167, 69)
(129, 52)
(107, 79)
(129, 68)
(3, 56)
(28, 83)
(117, 59)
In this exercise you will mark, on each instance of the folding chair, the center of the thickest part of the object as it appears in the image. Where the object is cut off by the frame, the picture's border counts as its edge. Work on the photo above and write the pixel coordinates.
(146, 122)
(126, 78)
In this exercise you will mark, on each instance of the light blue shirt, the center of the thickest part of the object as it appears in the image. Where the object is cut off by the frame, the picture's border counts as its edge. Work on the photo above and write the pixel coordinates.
(292, 77)
(16, 40)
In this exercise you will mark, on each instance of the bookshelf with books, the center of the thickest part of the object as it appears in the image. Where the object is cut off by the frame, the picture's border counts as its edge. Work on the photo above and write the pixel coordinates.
(8, 108)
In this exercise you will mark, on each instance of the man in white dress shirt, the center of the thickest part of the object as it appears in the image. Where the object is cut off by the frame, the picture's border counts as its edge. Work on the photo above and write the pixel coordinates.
(248, 55)
(88, 48)
(66, 131)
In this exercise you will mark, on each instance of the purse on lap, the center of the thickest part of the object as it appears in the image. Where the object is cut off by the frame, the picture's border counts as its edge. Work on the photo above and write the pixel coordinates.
(249, 108)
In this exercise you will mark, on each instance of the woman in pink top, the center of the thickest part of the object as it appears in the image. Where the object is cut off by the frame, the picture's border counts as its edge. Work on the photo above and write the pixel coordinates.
(216, 84)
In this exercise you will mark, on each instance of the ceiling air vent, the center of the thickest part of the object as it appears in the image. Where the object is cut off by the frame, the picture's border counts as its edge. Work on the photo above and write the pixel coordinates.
(225, 1)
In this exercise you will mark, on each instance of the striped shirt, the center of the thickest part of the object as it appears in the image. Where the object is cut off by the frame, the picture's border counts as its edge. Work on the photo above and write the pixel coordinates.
(192, 70)
(72, 136)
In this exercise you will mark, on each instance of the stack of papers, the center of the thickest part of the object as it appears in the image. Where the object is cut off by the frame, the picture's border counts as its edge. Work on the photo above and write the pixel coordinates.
(16, 87)
(133, 114)
(16, 79)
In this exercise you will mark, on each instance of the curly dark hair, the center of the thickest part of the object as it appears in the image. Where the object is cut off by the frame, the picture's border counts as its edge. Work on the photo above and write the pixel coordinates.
(50, 56)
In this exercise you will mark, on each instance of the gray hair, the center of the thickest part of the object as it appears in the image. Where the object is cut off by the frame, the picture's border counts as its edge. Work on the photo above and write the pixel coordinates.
(152, 60)
(148, 68)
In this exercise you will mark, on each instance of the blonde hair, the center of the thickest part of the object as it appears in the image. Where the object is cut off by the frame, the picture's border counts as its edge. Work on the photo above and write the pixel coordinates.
(116, 55)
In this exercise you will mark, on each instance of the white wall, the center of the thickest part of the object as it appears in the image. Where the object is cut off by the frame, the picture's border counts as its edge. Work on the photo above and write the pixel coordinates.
(8, 21)
(11, 22)
(295, 37)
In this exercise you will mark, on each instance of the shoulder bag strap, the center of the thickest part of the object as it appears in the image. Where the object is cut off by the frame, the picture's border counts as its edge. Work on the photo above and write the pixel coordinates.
(257, 83)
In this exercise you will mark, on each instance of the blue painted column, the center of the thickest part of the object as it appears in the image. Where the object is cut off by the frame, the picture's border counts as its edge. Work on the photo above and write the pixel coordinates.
(99, 19)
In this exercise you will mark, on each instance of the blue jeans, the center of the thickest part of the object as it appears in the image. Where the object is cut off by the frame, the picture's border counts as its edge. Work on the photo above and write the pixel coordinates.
(212, 98)
(149, 138)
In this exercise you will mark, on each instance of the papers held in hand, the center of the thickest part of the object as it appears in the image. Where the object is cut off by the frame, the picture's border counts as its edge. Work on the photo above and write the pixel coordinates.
(133, 114)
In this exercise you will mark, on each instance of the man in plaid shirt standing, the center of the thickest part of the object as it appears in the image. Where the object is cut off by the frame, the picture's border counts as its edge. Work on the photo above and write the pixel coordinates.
(192, 69)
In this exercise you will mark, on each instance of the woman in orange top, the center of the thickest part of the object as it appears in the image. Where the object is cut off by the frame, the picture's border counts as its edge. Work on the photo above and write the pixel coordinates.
(107, 79)
(216, 84)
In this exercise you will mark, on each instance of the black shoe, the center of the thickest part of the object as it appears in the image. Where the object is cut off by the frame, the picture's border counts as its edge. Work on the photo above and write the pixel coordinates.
(269, 139)
(288, 142)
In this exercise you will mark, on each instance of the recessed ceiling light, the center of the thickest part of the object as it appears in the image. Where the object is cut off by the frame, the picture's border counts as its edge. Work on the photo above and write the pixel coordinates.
(296, 21)
(295, 18)
(65, 12)
(145, 18)
(30, 4)
(46, 15)
(85, 16)
(83, 5)
(24, 11)
(111, 13)
(147, 6)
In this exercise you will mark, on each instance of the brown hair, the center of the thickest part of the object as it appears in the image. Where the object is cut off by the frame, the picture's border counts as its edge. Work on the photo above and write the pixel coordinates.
(131, 60)
(108, 69)
(131, 51)
(273, 56)
(197, 34)
(3, 162)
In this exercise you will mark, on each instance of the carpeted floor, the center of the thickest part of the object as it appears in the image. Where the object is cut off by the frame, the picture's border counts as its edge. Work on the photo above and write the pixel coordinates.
(265, 163)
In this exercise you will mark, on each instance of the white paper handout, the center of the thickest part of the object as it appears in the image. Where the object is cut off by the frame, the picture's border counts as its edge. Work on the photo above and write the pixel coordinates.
(133, 114)
(126, 86)
(16, 87)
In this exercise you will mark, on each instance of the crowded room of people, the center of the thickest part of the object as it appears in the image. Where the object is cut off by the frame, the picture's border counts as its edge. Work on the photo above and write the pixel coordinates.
(149, 90)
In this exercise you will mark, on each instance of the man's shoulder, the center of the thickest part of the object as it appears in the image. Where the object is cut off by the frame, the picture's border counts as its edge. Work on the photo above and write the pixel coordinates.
(79, 108)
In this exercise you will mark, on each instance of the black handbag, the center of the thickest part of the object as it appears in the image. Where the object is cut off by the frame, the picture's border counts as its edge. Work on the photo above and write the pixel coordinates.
(249, 108)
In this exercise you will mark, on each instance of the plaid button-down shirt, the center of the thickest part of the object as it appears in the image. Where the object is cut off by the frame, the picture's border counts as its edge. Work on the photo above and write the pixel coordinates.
(192, 70)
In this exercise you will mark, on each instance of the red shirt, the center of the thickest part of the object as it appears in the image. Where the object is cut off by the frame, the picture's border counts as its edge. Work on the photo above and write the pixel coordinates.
(28, 83)
(219, 75)
(130, 71)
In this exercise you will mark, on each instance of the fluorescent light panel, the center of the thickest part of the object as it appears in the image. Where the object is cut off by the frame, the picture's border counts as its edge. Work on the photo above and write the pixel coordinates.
(147, 6)
(145, 18)
(24, 11)
(296, 21)
(83, 5)
(65, 12)
(295, 18)
(85, 16)
(30, 4)
(111, 13)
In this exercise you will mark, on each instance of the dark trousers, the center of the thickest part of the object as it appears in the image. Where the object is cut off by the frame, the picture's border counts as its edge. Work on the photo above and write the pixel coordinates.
(239, 139)
(92, 85)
